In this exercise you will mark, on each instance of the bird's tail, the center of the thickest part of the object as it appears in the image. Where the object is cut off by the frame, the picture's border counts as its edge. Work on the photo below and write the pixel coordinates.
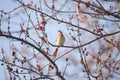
(55, 52)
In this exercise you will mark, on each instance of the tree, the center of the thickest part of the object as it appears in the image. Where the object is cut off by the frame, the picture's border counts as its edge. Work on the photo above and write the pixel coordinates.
(91, 50)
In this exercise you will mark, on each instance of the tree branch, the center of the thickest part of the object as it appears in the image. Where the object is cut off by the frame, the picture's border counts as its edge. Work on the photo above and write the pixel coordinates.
(41, 51)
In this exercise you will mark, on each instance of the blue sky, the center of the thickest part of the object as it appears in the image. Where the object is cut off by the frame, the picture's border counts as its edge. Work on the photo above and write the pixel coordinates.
(51, 29)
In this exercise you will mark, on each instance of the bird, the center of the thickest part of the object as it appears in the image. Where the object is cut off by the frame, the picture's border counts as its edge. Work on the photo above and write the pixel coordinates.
(60, 40)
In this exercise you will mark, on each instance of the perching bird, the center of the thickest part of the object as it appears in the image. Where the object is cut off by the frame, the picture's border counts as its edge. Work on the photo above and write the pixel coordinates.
(60, 40)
